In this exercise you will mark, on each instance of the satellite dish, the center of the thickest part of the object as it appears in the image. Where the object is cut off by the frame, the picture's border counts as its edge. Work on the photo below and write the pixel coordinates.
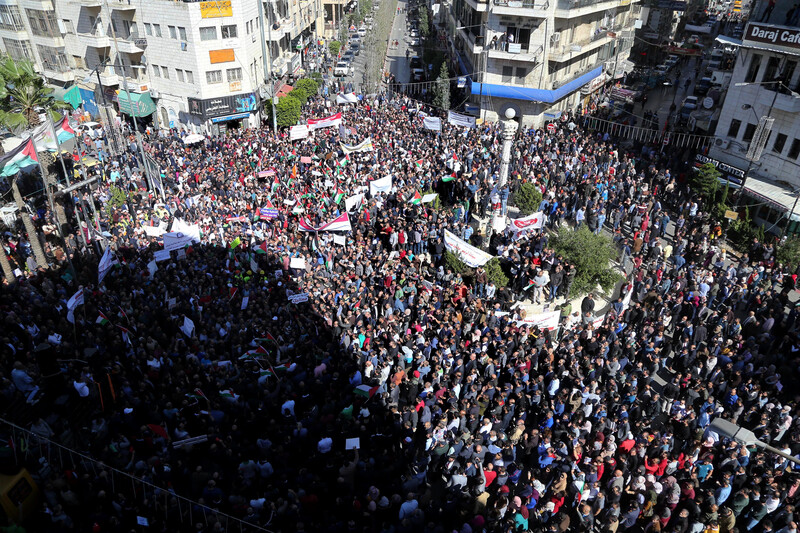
(708, 102)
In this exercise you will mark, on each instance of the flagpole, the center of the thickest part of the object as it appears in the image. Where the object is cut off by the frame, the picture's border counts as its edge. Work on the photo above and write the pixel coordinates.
(52, 209)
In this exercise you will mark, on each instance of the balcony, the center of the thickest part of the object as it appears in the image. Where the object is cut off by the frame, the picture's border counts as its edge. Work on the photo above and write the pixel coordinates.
(522, 8)
(117, 5)
(517, 52)
(577, 48)
(789, 103)
(578, 8)
(574, 75)
(95, 40)
(130, 46)
(43, 5)
(57, 71)
(475, 42)
(478, 5)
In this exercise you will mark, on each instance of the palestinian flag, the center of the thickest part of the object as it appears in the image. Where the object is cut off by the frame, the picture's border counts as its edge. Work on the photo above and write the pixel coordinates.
(232, 293)
(253, 265)
(418, 163)
(342, 163)
(266, 373)
(236, 218)
(416, 199)
(266, 338)
(252, 354)
(123, 314)
(102, 319)
(125, 333)
(197, 394)
(227, 394)
(339, 195)
(261, 248)
(449, 178)
(22, 156)
(366, 391)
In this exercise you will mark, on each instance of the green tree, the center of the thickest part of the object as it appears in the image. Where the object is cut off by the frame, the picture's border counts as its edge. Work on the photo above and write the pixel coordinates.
(334, 47)
(788, 253)
(23, 94)
(288, 111)
(308, 86)
(705, 182)
(454, 263)
(298, 94)
(423, 22)
(590, 254)
(441, 91)
(495, 273)
(527, 199)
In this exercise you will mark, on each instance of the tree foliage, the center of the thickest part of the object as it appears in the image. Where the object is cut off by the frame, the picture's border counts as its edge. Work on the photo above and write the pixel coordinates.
(590, 254)
(441, 91)
(307, 86)
(495, 273)
(788, 253)
(454, 263)
(287, 111)
(424, 21)
(527, 199)
(22, 94)
(705, 181)
(335, 47)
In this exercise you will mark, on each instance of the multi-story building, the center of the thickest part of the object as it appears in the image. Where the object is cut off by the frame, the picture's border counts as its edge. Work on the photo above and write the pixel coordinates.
(758, 133)
(198, 65)
(539, 57)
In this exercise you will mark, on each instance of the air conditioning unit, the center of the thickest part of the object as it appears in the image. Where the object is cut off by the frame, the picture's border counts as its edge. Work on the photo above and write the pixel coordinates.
(555, 37)
(154, 93)
(722, 143)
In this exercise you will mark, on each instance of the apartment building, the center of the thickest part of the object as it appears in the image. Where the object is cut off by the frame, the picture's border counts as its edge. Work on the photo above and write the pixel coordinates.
(758, 133)
(539, 57)
(198, 65)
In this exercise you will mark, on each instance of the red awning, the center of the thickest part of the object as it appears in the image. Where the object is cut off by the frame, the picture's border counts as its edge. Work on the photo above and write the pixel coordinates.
(283, 91)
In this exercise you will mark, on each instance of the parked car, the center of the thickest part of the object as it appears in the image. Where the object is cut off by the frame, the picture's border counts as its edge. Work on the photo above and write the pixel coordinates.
(689, 105)
(348, 56)
(342, 68)
(701, 87)
(355, 48)
(93, 129)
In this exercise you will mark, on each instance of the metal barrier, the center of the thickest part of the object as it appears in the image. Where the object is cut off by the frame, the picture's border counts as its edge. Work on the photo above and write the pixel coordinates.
(647, 135)
(30, 448)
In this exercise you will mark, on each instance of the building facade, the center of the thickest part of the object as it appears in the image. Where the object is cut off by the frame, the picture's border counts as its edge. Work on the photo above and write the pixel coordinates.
(758, 133)
(539, 57)
(197, 65)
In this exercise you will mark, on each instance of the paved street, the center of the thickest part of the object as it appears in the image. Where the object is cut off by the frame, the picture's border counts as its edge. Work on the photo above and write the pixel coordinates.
(396, 57)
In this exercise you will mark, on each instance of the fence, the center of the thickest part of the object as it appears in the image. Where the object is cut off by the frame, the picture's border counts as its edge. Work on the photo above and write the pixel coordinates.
(37, 454)
(648, 135)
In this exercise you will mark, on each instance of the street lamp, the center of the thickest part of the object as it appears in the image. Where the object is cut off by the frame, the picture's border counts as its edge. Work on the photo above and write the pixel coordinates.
(505, 162)
(726, 428)
(110, 124)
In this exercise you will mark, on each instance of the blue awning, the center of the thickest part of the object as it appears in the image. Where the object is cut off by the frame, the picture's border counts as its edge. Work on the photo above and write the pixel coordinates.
(535, 95)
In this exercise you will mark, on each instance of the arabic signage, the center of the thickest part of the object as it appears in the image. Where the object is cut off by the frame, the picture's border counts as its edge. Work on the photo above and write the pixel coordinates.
(677, 50)
(217, 9)
(775, 35)
(224, 105)
(701, 159)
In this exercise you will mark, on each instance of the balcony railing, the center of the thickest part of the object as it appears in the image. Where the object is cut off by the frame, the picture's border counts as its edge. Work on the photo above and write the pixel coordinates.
(527, 4)
(577, 4)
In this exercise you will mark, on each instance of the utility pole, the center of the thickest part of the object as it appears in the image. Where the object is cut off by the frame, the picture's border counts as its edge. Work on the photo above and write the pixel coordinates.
(267, 58)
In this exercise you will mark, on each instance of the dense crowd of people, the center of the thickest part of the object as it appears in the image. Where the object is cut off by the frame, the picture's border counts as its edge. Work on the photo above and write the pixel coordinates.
(397, 395)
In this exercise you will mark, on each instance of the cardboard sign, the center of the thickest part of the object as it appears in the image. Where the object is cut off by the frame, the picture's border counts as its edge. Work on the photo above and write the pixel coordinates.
(298, 262)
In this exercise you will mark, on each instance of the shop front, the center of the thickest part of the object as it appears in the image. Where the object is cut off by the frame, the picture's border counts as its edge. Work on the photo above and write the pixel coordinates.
(136, 105)
(226, 112)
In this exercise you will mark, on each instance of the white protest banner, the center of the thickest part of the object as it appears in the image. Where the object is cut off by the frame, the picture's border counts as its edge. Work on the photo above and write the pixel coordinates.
(469, 254)
(544, 321)
(363, 146)
(432, 123)
(534, 221)
(298, 132)
(348, 98)
(354, 202)
(161, 255)
(326, 122)
(176, 241)
(297, 262)
(152, 267)
(298, 298)
(105, 265)
(188, 326)
(626, 302)
(340, 223)
(457, 119)
(383, 185)
(429, 198)
(339, 239)
(153, 231)
(192, 230)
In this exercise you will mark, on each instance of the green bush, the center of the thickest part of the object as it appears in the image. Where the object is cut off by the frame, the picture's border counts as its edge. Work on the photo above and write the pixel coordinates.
(452, 262)
(495, 273)
(288, 111)
(705, 182)
(788, 253)
(527, 199)
(308, 86)
(441, 91)
(334, 47)
(591, 255)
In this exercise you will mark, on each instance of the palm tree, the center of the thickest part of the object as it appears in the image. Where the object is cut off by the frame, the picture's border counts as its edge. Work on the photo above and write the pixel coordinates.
(23, 95)
(33, 235)
(6, 264)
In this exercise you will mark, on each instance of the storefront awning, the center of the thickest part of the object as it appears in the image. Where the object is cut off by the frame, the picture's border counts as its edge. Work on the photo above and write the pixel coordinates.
(777, 197)
(139, 105)
(535, 95)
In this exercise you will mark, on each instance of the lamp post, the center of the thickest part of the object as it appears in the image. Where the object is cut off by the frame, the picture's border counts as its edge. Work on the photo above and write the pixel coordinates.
(105, 104)
(726, 428)
(505, 163)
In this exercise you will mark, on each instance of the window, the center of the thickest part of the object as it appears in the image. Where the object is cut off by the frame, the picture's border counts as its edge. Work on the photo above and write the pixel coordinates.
(189, 77)
(182, 33)
(79, 61)
(794, 151)
(771, 72)
(173, 32)
(733, 129)
(214, 76)
(508, 74)
(234, 74)
(10, 18)
(18, 50)
(157, 29)
(53, 59)
(248, 27)
(69, 28)
(752, 72)
(208, 34)
(522, 73)
(148, 28)
(748, 132)
(156, 71)
(43, 23)
(165, 72)
(229, 32)
(179, 72)
(787, 74)
(780, 142)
